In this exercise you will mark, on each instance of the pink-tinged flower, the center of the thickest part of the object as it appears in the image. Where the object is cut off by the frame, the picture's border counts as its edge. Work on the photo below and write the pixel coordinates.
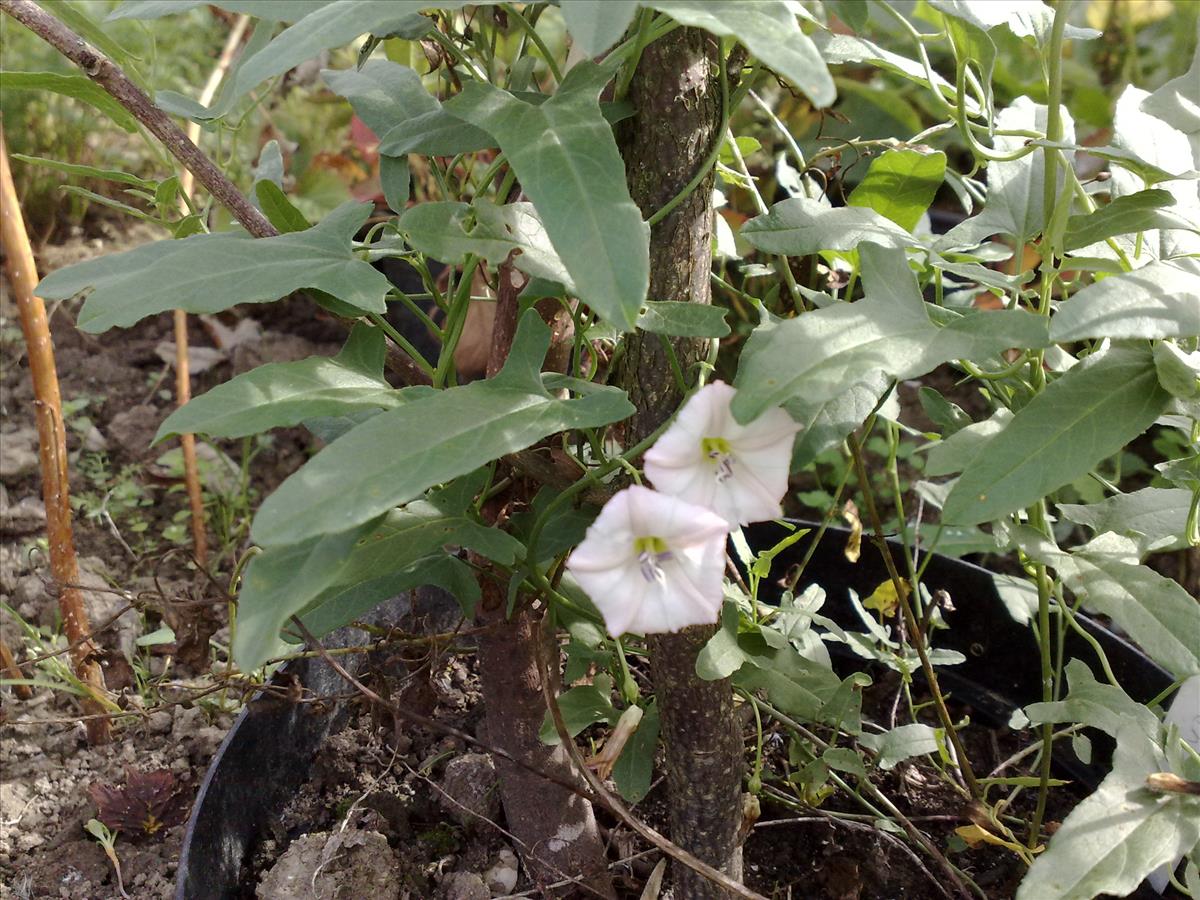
(652, 563)
(706, 457)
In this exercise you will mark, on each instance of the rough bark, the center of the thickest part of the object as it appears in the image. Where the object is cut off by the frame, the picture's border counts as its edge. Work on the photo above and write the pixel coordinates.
(677, 96)
(556, 827)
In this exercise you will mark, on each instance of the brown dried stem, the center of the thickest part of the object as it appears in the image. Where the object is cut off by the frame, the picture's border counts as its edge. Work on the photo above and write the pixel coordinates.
(52, 441)
(183, 380)
(11, 670)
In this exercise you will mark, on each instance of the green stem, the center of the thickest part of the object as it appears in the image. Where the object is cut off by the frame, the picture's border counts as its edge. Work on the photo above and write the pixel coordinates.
(537, 41)
(401, 341)
(910, 620)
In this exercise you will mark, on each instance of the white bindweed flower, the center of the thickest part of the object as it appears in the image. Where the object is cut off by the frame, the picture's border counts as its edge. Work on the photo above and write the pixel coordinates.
(706, 457)
(652, 563)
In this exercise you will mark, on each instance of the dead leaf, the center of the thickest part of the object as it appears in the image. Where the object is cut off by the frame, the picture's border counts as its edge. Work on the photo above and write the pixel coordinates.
(854, 543)
(146, 805)
(885, 599)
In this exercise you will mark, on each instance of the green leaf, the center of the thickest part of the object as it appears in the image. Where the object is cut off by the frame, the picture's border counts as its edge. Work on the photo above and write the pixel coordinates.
(342, 604)
(888, 331)
(566, 158)
(211, 272)
(1156, 301)
(85, 171)
(827, 422)
(376, 563)
(1085, 416)
(1132, 213)
(1015, 195)
(1096, 705)
(396, 181)
(384, 94)
(279, 395)
(1178, 372)
(595, 25)
(1120, 834)
(900, 185)
(80, 87)
(272, 10)
(1155, 518)
(950, 417)
(450, 231)
(278, 209)
(325, 27)
(352, 481)
(635, 766)
(581, 706)
(721, 656)
(679, 318)
(770, 32)
(901, 743)
(799, 227)
(278, 583)
(1154, 610)
(434, 133)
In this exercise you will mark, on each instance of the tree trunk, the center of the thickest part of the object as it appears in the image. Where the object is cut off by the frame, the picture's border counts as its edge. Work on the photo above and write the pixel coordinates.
(558, 828)
(677, 97)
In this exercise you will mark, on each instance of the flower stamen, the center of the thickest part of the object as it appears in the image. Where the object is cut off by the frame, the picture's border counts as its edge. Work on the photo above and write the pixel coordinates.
(718, 451)
(652, 551)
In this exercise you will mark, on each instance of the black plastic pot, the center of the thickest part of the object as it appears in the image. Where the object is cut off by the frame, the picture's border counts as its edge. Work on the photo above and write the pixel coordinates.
(269, 751)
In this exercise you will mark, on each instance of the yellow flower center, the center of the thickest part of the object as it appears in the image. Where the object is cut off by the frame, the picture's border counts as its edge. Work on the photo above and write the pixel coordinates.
(651, 552)
(718, 451)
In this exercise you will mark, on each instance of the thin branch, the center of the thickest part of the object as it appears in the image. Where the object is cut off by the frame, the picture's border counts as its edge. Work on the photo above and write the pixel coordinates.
(109, 76)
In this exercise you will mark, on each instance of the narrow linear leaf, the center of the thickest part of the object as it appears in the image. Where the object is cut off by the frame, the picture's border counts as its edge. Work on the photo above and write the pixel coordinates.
(1085, 416)
(80, 87)
(207, 273)
(566, 157)
(85, 171)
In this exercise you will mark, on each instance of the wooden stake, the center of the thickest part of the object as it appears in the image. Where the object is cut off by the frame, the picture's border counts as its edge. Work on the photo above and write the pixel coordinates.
(22, 274)
(183, 380)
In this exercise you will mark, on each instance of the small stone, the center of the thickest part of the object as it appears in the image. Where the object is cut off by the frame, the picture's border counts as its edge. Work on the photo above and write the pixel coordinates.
(25, 517)
(346, 866)
(159, 722)
(465, 886)
(94, 440)
(502, 876)
(471, 789)
(18, 454)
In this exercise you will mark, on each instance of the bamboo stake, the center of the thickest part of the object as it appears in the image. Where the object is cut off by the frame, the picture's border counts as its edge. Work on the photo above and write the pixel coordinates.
(11, 670)
(183, 380)
(22, 274)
